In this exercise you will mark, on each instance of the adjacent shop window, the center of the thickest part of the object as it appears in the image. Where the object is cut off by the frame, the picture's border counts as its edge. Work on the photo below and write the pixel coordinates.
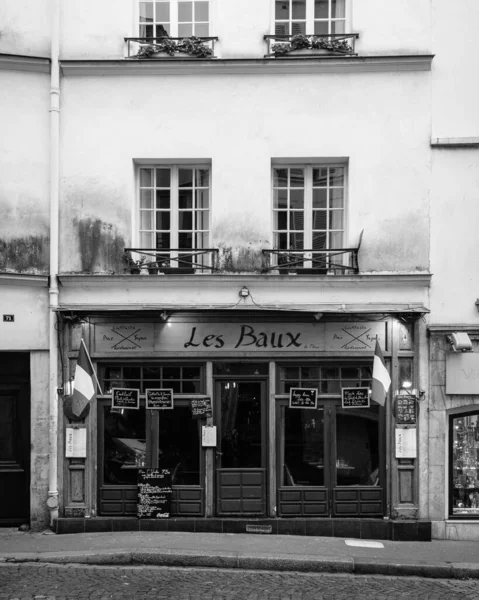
(464, 465)
(181, 379)
(174, 18)
(309, 16)
(328, 380)
(308, 208)
(174, 212)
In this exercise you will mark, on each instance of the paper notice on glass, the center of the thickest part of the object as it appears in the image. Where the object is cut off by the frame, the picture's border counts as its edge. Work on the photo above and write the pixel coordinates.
(75, 443)
(208, 438)
(406, 443)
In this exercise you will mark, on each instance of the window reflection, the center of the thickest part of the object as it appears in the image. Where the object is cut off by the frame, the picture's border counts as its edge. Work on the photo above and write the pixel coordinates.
(303, 447)
(179, 445)
(465, 465)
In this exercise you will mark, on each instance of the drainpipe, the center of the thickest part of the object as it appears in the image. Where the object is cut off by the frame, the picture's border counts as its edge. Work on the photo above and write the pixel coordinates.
(52, 501)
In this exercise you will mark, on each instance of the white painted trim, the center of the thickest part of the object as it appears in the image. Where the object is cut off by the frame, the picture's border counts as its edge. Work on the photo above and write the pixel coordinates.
(21, 280)
(33, 64)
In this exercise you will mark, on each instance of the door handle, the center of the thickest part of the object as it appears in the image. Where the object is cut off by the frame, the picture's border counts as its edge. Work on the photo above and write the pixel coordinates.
(218, 453)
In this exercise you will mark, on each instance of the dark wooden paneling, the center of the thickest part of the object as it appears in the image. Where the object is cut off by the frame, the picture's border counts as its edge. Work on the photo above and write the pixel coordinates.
(358, 502)
(241, 492)
(298, 502)
(122, 501)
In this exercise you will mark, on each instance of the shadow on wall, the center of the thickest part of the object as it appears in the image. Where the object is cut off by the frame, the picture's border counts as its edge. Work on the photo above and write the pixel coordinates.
(25, 255)
(101, 247)
(242, 259)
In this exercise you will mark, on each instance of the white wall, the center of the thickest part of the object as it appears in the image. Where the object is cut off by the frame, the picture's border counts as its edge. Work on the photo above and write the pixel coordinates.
(25, 27)
(29, 305)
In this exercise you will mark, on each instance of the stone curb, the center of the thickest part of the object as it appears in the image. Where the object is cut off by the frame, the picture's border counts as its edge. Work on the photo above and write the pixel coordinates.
(253, 561)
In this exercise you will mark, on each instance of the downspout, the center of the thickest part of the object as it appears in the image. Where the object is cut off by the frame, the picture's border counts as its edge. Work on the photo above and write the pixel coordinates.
(52, 501)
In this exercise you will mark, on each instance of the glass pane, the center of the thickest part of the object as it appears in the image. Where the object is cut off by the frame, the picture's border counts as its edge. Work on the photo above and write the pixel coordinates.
(330, 373)
(163, 199)
(303, 463)
(185, 240)
(203, 241)
(319, 219)
(185, 177)
(146, 198)
(280, 198)
(298, 27)
(357, 446)
(319, 242)
(163, 240)
(146, 31)
(185, 199)
(280, 178)
(162, 12)
(191, 372)
(465, 465)
(146, 179)
(163, 178)
(202, 177)
(201, 217)
(406, 373)
(281, 241)
(406, 333)
(281, 29)
(202, 11)
(320, 177)
(296, 220)
(321, 27)
(179, 445)
(338, 8)
(350, 373)
(282, 9)
(171, 372)
(241, 424)
(151, 372)
(336, 219)
(338, 27)
(336, 197)
(146, 219)
(202, 30)
(124, 446)
(320, 197)
(321, 9)
(296, 198)
(185, 30)
(336, 176)
(163, 30)
(296, 241)
(185, 220)
(163, 220)
(336, 240)
(146, 240)
(299, 9)
(202, 198)
(309, 373)
(297, 177)
(185, 12)
(280, 220)
(146, 12)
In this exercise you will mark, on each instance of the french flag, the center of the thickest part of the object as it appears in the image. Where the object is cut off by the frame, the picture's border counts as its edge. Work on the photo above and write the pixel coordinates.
(381, 379)
(84, 389)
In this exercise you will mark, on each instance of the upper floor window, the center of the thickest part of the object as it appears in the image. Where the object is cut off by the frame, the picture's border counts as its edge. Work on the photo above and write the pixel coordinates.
(174, 18)
(317, 17)
(308, 207)
(174, 210)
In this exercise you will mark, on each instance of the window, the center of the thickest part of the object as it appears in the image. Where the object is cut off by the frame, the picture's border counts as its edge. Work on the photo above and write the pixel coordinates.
(174, 210)
(181, 379)
(309, 16)
(174, 18)
(464, 465)
(308, 207)
(327, 379)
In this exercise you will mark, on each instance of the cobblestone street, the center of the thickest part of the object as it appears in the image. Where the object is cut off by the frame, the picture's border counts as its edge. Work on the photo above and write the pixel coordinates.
(44, 582)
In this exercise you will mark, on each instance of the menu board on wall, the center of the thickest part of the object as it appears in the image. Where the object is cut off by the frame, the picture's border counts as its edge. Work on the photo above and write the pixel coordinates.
(303, 398)
(154, 493)
(355, 397)
(201, 407)
(160, 399)
(125, 398)
(405, 409)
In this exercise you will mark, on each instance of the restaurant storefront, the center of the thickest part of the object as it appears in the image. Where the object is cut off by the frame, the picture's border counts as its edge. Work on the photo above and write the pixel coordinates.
(321, 468)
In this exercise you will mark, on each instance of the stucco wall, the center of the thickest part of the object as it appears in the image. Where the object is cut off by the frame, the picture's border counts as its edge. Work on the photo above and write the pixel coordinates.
(29, 305)
(241, 123)
(25, 27)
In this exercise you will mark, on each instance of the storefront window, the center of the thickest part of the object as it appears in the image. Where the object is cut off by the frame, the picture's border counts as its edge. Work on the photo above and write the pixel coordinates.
(181, 379)
(328, 380)
(464, 439)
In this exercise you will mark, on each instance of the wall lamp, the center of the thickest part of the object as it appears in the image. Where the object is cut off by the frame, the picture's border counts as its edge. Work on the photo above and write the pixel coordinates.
(244, 292)
(406, 389)
(460, 342)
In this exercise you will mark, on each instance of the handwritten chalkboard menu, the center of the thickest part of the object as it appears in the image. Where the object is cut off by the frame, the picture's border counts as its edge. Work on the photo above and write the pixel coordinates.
(405, 410)
(154, 493)
(159, 398)
(355, 397)
(201, 407)
(125, 398)
(303, 398)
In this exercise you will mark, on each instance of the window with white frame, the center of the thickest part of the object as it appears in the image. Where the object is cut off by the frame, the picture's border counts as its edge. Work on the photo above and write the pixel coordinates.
(174, 211)
(317, 17)
(308, 207)
(174, 18)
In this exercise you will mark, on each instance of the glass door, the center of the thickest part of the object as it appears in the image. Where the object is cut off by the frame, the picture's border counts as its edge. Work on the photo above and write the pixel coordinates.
(241, 451)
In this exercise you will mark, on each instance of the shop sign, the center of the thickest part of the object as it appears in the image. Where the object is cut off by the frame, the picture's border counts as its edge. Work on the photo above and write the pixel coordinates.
(125, 398)
(406, 443)
(303, 398)
(355, 397)
(208, 436)
(160, 399)
(154, 493)
(462, 373)
(75, 442)
(405, 409)
(201, 407)
(217, 338)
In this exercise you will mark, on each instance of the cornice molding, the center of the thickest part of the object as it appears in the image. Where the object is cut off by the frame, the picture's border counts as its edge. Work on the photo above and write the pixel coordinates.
(17, 62)
(455, 142)
(23, 279)
(261, 66)
(441, 329)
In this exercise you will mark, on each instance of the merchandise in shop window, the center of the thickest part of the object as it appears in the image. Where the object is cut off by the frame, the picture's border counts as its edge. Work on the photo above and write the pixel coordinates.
(465, 465)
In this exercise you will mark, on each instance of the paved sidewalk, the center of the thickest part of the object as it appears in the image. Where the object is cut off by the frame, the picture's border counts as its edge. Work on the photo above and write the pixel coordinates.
(445, 559)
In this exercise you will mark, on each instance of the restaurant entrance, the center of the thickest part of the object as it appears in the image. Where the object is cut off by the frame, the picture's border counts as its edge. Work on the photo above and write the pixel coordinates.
(330, 461)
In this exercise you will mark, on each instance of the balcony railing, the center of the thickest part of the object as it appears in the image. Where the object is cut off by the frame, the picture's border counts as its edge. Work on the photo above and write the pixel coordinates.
(169, 47)
(294, 46)
(175, 261)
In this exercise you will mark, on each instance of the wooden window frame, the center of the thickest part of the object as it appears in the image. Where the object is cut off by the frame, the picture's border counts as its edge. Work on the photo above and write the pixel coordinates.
(310, 19)
(174, 17)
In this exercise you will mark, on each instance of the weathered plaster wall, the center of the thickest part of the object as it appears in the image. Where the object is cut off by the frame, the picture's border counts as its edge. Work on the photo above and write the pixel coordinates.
(29, 305)
(25, 27)
(242, 123)
(24, 172)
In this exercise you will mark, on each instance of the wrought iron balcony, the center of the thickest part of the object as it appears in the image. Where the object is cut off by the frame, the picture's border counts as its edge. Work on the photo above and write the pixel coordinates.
(176, 261)
(168, 47)
(299, 45)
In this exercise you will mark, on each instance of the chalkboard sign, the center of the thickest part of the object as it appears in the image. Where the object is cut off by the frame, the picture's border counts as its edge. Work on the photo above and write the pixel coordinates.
(405, 409)
(355, 397)
(159, 398)
(303, 398)
(154, 493)
(201, 407)
(125, 398)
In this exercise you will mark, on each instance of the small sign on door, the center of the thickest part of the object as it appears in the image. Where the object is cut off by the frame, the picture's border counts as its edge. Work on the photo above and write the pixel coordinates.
(208, 436)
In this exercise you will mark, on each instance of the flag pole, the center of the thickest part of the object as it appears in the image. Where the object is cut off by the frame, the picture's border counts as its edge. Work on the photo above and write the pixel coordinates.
(91, 365)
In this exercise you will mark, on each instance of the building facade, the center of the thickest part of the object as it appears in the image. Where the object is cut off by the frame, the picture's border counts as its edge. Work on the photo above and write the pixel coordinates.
(232, 208)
